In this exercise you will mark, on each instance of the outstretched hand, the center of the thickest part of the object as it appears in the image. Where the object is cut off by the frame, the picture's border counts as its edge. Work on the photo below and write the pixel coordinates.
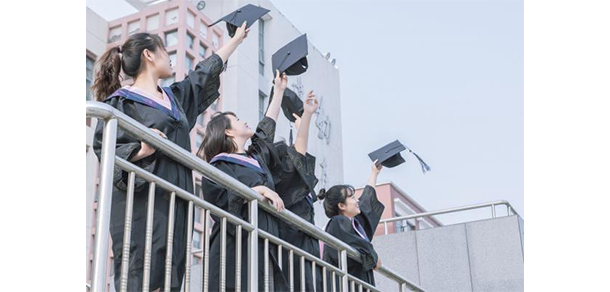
(241, 33)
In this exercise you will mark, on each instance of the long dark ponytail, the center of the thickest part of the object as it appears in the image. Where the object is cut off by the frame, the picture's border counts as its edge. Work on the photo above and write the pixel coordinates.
(335, 195)
(128, 57)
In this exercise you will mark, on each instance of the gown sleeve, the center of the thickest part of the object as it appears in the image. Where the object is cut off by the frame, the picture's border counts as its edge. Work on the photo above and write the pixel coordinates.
(370, 211)
(199, 89)
(126, 145)
(220, 196)
(341, 228)
(262, 143)
(297, 176)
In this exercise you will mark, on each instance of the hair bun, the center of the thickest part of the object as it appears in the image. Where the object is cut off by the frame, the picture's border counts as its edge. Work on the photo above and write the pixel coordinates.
(322, 194)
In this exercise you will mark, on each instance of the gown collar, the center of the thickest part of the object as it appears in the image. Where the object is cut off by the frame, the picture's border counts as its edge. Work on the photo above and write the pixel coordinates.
(139, 98)
(242, 160)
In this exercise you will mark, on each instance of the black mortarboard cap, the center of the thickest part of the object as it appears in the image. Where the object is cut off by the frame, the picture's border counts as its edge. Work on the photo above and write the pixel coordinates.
(389, 155)
(291, 58)
(291, 104)
(249, 13)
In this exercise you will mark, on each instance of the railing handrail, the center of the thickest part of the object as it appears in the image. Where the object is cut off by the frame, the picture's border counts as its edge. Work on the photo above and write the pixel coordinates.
(188, 159)
(451, 210)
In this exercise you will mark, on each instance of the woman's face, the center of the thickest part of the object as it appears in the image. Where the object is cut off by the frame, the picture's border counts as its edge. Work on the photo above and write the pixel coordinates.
(239, 129)
(161, 63)
(351, 207)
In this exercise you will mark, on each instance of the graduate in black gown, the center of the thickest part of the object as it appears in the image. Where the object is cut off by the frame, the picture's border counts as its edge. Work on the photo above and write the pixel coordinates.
(294, 182)
(354, 220)
(170, 111)
(224, 147)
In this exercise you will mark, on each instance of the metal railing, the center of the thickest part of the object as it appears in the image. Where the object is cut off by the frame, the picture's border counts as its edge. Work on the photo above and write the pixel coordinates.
(509, 211)
(115, 119)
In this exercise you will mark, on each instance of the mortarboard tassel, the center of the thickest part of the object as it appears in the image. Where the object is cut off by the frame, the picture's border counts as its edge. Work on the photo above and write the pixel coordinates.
(290, 139)
(424, 167)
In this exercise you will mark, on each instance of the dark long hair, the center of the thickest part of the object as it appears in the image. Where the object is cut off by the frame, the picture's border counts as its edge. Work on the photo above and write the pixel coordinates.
(335, 195)
(216, 140)
(128, 57)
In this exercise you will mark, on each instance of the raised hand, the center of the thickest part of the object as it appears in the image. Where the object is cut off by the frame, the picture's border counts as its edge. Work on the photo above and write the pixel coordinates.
(311, 103)
(241, 33)
(280, 82)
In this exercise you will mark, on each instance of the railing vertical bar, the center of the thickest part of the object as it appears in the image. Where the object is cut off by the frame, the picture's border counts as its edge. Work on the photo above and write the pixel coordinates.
(359, 287)
(403, 287)
(493, 211)
(149, 233)
(343, 258)
(206, 249)
(291, 267)
(127, 231)
(253, 247)
(170, 242)
(223, 254)
(102, 228)
(238, 259)
(324, 279)
(279, 255)
(385, 227)
(334, 278)
(266, 264)
(313, 275)
(189, 247)
(353, 286)
(302, 273)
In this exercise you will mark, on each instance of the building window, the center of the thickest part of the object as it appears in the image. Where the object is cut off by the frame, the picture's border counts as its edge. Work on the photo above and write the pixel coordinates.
(261, 47)
(171, 16)
(188, 63)
(261, 105)
(171, 38)
(198, 193)
(168, 81)
(202, 49)
(215, 40)
(197, 239)
(403, 225)
(90, 66)
(203, 30)
(172, 59)
(114, 35)
(133, 27)
(152, 22)
(190, 19)
(190, 40)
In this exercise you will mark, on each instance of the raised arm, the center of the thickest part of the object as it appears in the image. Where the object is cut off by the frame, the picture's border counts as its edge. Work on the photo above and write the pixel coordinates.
(309, 107)
(229, 47)
(375, 169)
(279, 85)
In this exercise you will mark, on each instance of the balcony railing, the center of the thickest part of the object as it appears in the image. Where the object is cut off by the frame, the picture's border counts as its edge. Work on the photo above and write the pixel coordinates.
(114, 120)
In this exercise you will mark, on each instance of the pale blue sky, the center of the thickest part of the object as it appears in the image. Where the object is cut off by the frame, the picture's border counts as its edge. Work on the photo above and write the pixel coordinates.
(443, 77)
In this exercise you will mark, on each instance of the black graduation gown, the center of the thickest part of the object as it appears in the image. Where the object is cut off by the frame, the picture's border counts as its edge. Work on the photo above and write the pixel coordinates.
(189, 98)
(295, 181)
(262, 150)
(343, 228)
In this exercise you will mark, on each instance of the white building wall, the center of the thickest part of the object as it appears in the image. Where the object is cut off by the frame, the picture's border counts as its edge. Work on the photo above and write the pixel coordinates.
(242, 83)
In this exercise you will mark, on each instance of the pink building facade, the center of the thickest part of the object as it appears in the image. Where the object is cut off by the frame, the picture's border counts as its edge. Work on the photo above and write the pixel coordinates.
(398, 203)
